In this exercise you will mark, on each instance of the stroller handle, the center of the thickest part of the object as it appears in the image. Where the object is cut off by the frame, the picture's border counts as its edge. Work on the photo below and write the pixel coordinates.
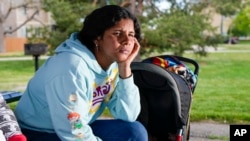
(191, 61)
(187, 60)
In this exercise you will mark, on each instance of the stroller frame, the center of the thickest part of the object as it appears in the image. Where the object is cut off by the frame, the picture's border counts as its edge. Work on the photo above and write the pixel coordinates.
(165, 100)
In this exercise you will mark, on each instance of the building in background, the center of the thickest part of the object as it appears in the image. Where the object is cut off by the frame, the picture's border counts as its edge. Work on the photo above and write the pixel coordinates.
(23, 15)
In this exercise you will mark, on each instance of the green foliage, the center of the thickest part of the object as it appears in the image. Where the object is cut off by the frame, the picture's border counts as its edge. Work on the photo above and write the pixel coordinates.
(38, 34)
(178, 31)
(68, 17)
(240, 25)
(226, 7)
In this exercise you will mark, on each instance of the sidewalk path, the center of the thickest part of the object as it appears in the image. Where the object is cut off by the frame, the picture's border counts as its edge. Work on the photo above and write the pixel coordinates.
(205, 131)
(208, 131)
(21, 58)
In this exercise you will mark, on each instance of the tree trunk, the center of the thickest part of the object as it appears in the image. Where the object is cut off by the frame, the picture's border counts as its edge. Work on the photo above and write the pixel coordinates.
(2, 43)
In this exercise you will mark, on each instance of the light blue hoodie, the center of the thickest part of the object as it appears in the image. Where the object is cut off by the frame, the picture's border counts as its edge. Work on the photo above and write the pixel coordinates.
(70, 90)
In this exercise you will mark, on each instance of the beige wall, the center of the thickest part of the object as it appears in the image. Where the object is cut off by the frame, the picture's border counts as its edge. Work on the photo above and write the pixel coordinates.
(217, 20)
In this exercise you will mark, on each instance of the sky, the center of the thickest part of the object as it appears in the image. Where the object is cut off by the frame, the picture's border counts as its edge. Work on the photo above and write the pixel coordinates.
(163, 5)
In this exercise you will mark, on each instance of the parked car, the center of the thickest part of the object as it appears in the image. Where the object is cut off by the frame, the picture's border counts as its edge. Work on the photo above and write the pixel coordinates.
(231, 40)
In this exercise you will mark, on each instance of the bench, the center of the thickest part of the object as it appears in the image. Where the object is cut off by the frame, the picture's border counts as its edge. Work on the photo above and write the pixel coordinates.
(11, 96)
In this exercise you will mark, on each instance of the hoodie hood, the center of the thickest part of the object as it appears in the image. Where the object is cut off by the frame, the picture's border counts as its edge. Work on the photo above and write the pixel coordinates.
(73, 45)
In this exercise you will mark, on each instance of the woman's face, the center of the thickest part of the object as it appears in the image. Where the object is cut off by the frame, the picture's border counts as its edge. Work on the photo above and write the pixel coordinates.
(117, 42)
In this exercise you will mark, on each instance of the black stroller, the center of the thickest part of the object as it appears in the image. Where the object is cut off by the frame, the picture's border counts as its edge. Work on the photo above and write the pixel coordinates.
(166, 95)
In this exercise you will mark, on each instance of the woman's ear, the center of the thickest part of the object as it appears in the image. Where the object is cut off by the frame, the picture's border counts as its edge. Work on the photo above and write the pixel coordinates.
(96, 41)
(98, 38)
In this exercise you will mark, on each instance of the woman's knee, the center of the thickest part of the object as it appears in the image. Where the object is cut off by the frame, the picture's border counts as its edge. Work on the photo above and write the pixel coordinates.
(137, 132)
(119, 130)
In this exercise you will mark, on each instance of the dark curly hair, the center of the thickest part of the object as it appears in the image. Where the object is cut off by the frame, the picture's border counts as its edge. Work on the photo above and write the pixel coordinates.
(101, 19)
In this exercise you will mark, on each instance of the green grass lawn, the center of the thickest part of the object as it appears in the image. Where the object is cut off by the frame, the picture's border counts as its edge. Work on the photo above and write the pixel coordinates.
(222, 93)
(12, 54)
(15, 74)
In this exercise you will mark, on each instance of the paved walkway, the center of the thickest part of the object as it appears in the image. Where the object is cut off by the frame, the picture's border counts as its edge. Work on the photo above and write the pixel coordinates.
(209, 131)
(21, 58)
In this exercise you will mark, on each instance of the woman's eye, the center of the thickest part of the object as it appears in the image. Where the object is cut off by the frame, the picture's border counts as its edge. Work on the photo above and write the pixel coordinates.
(117, 33)
(132, 35)
(121, 34)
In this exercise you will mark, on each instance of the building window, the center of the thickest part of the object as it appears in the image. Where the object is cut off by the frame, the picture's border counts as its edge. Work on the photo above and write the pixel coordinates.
(22, 31)
(25, 10)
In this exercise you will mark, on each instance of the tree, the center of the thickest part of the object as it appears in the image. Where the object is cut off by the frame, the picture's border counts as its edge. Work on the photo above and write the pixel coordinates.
(11, 6)
(74, 12)
(227, 8)
(241, 24)
(175, 29)
(178, 28)
(68, 17)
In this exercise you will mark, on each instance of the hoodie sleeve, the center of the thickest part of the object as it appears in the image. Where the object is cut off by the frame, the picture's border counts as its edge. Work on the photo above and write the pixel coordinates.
(69, 105)
(125, 102)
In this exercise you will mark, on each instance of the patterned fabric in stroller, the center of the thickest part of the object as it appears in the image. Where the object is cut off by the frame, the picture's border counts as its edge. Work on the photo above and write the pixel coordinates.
(166, 95)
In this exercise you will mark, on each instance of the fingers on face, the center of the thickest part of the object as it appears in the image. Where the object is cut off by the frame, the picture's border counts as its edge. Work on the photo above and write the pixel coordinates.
(137, 44)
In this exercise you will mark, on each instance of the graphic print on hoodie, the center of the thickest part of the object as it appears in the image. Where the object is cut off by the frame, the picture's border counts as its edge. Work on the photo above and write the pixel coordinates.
(104, 91)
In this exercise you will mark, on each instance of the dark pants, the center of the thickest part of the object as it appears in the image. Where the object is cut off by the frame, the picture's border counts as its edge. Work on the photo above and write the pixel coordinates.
(107, 130)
